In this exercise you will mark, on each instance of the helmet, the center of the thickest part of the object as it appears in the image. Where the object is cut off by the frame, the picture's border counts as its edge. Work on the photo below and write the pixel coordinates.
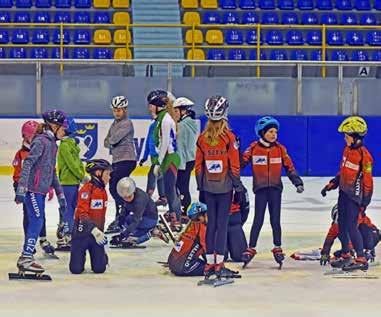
(354, 125)
(216, 108)
(183, 102)
(119, 102)
(28, 129)
(264, 122)
(158, 98)
(126, 187)
(94, 165)
(196, 209)
(71, 126)
(56, 117)
(335, 213)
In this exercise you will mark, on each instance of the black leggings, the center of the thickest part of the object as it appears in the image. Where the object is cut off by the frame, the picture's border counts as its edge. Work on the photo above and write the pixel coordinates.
(183, 178)
(120, 170)
(272, 197)
(171, 190)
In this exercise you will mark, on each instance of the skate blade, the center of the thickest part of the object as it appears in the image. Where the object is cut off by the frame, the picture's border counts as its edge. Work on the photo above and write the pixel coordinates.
(334, 272)
(62, 249)
(127, 247)
(221, 282)
(51, 256)
(209, 281)
(29, 276)
(350, 275)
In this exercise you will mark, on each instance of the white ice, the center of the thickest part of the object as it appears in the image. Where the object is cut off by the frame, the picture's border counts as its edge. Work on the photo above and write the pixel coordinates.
(135, 285)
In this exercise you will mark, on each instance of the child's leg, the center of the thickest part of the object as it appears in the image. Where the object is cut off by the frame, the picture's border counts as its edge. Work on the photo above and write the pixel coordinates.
(367, 236)
(71, 195)
(151, 181)
(98, 257)
(275, 198)
(210, 239)
(194, 268)
(143, 231)
(160, 186)
(78, 254)
(223, 209)
(43, 229)
(171, 191)
(342, 221)
(261, 197)
(183, 180)
(354, 233)
(25, 219)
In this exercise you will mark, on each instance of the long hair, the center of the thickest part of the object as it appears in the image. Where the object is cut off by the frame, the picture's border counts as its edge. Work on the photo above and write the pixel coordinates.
(214, 130)
(41, 128)
(171, 110)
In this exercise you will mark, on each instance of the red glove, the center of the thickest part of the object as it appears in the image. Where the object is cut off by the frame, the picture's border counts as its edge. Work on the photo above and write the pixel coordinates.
(50, 194)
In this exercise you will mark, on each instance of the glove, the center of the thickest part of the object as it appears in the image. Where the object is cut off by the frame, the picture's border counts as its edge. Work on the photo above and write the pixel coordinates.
(142, 161)
(85, 179)
(237, 197)
(156, 171)
(115, 240)
(50, 194)
(99, 236)
(300, 189)
(324, 191)
(19, 199)
(324, 259)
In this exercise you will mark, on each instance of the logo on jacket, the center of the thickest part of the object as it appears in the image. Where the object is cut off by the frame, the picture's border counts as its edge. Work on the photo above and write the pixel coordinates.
(87, 139)
(259, 160)
(96, 204)
(214, 167)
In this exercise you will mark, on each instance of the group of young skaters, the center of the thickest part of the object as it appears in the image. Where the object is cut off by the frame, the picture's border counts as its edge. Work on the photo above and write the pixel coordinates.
(215, 229)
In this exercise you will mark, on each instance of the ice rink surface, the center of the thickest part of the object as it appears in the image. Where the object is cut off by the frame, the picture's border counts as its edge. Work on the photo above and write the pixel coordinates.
(135, 285)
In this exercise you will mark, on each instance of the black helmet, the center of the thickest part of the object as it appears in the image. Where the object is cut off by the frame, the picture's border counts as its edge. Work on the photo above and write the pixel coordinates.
(56, 117)
(157, 98)
(94, 165)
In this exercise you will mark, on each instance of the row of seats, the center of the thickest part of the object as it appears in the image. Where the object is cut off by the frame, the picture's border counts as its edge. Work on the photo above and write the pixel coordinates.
(77, 36)
(80, 4)
(276, 37)
(76, 53)
(213, 17)
(100, 17)
(281, 54)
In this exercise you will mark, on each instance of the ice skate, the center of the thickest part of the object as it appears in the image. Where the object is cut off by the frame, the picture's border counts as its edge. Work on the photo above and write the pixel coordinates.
(175, 224)
(113, 227)
(162, 201)
(157, 232)
(64, 244)
(278, 256)
(209, 272)
(359, 264)
(340, 262)
(167, 229)
(247, 256)
(48, 249)
(27, 264)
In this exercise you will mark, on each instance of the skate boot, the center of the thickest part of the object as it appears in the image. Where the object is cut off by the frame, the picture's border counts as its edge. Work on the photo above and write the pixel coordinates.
(278, 256)
(113, 227)
(247, 256)
(209, 271)
(162, 201)
(157, 232)
(64, 244)
(223, 272)
(360, 263)
(344, 259)
(47, 248)
(28, 264)
(370, 255)
(175, 225)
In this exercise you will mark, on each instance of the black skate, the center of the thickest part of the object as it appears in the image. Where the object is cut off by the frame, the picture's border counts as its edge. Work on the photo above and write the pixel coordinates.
(162, 201)
(167, 229)
(113, 228)
(370, 255)
(247, 256)
(64, 244)
(48, 249)
(359, 264)
(341, 262)
(209, 275)
(27, 264)
(278, 256)
(157, 232)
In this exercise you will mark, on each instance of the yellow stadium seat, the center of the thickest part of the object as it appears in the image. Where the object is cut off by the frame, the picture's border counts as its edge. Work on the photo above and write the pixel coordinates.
(214, 37)
(209, 4)
(101, 4)
(122, 37)
(191, 18)
(121, 4)
(122, 53)
(102, 37)
(198, 54)
(198, 37)
(189, 4)
(121, 18)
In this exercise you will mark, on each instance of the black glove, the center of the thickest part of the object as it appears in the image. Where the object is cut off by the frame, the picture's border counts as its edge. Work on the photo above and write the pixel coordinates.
(142, 161)
(324, 259)
(237, 197)
(115, 240)
(324, 191)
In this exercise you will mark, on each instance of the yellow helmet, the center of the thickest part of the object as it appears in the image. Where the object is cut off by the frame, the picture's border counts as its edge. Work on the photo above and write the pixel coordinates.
(354, 125)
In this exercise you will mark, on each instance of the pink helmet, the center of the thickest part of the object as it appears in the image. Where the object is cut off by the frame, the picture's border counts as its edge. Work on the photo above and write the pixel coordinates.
(29, 129)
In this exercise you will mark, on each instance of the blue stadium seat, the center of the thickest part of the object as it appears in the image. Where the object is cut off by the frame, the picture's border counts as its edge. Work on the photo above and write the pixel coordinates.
(294, 37)
(62, 17)
(374, 38)
(17, 52)
(230, 18)
(247, 4)
(82, 37)
(4, 38)
(354, 38)
(309, 19)
(335, 38)
(324, 4)
(234, 37)
(253, 55)
(237, 54)
(278, 55)
(82, 17)
(216, 54)
(298, 55)
(82, 4)
(329, 19)
(41, 17)
(344, 5)
(57, 36)
(40, 36)
(39, 52)
(368, 19)
(63, 4)
(21, 17)
(349, 19)
(6, 3)
(305, 5)
(23, 3)
(2, 53)
(250, 18)
(267, 4)
(290, 18)
(363, 5)
(361, 56)
(377, 4)
(314, 38)
(316, 55)
(56, 52)
(81, 53)
(5, 17)
(20, 36)
(102, 53)
(251, 37)
(339, 55)
(274, 37)
(227, 4)
(102, 17)
(43, 3)
(376, 56)
(286, 4)
(270, 18)
(211, 17)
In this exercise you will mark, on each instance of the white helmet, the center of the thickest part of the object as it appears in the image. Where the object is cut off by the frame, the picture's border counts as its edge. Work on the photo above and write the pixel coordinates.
(125, 187)
(119, 102)
(183, 102)
(216, 108)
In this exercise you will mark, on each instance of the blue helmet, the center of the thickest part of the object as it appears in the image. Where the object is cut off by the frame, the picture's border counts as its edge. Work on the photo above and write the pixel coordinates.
(71, 126)
(196, 209)
(263, 123)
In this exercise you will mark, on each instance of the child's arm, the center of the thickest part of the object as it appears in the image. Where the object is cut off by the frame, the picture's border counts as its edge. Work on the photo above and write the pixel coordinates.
(140, 206)
(123, 130)
(290, 169)
(234, 164)
(330, 238)
(367, 180)
(166, 131)
(106, 142)
(245, 157)
(17, 165)
(73, 162)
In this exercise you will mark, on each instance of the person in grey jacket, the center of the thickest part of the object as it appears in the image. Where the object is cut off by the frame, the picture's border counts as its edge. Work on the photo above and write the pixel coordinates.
(120, 142)
(186, 146)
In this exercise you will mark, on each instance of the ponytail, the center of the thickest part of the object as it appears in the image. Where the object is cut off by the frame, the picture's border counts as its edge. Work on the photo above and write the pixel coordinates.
(41, 128)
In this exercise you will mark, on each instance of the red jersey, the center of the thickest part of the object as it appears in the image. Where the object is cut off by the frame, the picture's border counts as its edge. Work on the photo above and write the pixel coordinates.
(267, 163)
(17, 162)
(217, 166)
